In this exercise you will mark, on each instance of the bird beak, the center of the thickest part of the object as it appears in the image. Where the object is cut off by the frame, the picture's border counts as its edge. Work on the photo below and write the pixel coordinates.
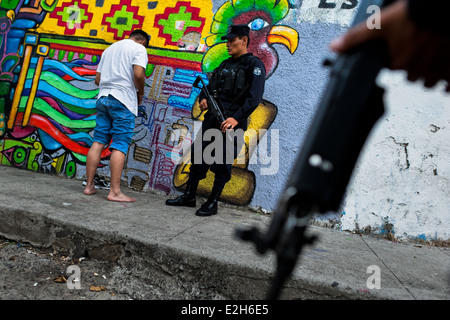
(284, 35)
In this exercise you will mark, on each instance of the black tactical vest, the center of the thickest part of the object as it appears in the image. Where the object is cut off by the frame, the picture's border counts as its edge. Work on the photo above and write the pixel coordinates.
(229, 79)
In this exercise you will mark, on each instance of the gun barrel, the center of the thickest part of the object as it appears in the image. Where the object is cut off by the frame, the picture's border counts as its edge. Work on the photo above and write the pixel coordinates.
(349, 108)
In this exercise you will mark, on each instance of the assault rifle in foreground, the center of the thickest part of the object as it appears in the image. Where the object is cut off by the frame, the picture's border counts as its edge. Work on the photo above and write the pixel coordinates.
(215, 108)
(350, 106)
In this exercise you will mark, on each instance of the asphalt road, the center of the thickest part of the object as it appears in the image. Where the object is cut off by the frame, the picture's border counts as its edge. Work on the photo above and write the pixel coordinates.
(28, 273)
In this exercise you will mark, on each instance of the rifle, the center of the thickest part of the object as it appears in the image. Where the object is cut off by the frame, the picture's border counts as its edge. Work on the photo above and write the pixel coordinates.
(215, 108)
(350, 106)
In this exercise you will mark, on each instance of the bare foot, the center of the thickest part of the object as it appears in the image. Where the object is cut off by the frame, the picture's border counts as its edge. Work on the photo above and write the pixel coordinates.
(120, 197)
(89, 190)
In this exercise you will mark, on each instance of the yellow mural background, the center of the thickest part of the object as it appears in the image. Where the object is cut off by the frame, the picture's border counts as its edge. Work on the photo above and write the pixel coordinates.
(50, 25)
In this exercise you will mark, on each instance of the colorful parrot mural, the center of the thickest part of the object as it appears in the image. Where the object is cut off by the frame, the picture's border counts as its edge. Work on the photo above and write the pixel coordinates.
(262, 17)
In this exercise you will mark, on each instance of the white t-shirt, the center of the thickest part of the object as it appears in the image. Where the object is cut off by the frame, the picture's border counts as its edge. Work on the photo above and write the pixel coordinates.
(117, 74)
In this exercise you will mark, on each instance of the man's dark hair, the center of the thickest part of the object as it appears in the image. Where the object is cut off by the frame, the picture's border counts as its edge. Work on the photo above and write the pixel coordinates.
(140, 35)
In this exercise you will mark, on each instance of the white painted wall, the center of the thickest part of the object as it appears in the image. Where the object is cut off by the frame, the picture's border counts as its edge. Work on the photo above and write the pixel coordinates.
(402, 181)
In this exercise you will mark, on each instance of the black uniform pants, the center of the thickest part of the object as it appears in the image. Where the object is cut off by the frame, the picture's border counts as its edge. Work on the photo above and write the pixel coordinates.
(215, 151)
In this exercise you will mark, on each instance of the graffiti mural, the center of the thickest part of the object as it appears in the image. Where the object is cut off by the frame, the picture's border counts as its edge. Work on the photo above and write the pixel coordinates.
(49, 52)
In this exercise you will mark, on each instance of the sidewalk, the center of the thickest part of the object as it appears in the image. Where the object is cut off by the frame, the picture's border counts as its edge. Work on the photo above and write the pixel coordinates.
(166, 252)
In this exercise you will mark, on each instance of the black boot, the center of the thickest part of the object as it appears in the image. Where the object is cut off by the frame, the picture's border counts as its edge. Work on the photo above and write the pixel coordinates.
(210, 206)
(188, 198)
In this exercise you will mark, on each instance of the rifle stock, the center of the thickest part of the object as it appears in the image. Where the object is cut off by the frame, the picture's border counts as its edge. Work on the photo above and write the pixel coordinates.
(350, 106)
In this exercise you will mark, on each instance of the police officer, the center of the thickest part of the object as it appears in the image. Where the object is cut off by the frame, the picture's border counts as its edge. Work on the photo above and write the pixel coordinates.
(239, 85)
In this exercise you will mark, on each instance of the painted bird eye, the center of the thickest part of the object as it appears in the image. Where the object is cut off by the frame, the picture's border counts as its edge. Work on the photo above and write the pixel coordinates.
(258, 24)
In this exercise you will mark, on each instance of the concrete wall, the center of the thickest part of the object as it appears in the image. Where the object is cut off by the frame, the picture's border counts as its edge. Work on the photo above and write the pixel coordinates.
(402, 184)
(49, 51)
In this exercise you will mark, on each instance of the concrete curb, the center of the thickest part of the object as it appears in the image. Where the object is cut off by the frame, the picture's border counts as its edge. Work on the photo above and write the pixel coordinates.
(163, 252)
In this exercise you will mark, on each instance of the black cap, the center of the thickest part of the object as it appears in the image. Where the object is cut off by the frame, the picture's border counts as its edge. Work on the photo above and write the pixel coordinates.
(237, 30)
